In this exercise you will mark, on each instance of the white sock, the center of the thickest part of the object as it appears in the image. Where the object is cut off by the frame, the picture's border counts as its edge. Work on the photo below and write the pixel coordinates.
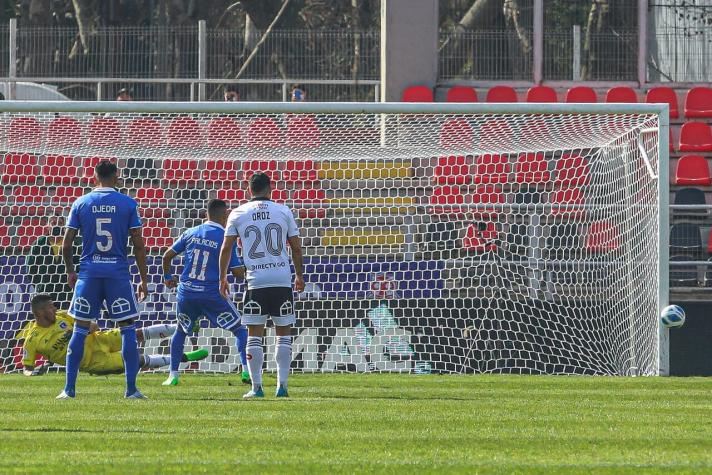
(156, 361)
(173, 374)
(255, 358)
(158, 331)
(283, 357)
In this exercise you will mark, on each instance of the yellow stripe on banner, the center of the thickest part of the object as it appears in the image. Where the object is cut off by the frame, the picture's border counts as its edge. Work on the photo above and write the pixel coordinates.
(371, 201)
(361, 237)
(364, 170)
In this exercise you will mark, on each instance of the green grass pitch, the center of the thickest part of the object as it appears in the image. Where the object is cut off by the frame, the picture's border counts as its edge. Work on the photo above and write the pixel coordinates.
(359, 423)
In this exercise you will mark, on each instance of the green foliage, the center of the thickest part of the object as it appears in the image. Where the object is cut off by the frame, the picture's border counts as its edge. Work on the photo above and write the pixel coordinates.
(360, 423)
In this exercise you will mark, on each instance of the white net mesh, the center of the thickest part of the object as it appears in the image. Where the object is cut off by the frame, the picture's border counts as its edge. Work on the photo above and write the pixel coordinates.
(434, 243)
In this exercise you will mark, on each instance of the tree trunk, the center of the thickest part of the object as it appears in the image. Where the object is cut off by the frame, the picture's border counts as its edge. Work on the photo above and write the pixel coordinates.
(597, 17)
(356, 27)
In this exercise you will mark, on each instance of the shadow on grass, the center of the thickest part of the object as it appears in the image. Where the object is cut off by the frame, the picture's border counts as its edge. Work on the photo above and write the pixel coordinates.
(86, 431)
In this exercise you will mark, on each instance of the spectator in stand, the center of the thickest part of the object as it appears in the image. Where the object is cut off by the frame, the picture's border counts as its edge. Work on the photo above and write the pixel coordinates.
(231, 93)
(44, 263)
(124, 94)
(298, 94)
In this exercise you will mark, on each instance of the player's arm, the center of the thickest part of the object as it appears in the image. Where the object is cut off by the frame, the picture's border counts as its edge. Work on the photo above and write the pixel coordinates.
(28, 360)
(237, 265)
(68, 256)
(167, 263)
(140, 254)
(297, 256)
(226, 253)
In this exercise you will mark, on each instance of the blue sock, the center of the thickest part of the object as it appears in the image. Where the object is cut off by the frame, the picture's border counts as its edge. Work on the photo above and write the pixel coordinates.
(75, 352)
(177, 345)
(129, 352)
(241, 343)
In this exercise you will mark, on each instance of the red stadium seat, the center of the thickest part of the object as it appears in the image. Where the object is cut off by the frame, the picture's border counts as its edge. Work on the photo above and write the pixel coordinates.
(453, 170)
(28, 199)
(621, 94)
(264, 135)
(5, 238)
(478, 239)
(534, 130)
(302, 132)
(502, 94)
(456, 134)
(311, 197)
(60, 170)
(145, 132)
(695, 137)
(300, 172)
(671, 142)
(571, 170)
(602, 236)
(24, 132)
(104, 132)
(582, 94)
(221, 171)
(233, 196)
(532, 168)
(156, 234)
(486, 195)
(698, 102)
(445, 199)
(19, 168)
(461, 94)
(29, 231)
(541, 94)
(417, 94)
(153, 202)
(491, 168)
(693, 170)
(268, 167)
(65, 195)
(664, 94)
(65, 132)
(184, 132)
(181, 172)
(495, 133)
(709, 242)
(224, 132)
(565, 201)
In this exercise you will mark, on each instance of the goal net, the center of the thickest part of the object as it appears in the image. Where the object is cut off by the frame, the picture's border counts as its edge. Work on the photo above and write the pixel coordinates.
(438, 238)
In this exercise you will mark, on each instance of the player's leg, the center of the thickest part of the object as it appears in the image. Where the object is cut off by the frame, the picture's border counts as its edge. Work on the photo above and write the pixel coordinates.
(283, 318)
(85, 306)
(122, 306)
(187, 314)
(158, 361)
(223, 313)
(241, 343)
(255, 318)
(155, 331)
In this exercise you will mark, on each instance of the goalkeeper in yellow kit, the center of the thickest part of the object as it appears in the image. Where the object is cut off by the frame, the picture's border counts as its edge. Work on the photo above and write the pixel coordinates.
(49, 333)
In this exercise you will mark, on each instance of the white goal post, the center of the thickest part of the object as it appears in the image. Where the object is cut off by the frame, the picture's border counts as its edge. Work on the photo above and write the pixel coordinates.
(454, 238)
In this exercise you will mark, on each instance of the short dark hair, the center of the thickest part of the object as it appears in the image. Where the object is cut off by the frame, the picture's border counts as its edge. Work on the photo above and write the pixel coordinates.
(231, 88)
(125, 90)
(259, 183)
(38, 300)
(216, 206)
(106, 169)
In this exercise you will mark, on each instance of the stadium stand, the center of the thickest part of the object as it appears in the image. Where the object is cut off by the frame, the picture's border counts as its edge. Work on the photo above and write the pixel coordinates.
(220, 171)
(602, 236)
(104, 132)
(19, 168)
(184, 132)
(480, 237)
(300, 172)
(224, 132)
(692, 170)
(502, 94)
(682, 276)
(541, 94)
(571, 170)
(689, 196)
(698, 103)
(64, 131)
(461, 94)
(417, 94)
(24, 132)
(181, 172)
(144, 132)
(581, 94)
(664, 94)
(492, 168)
(532, 168)
(695, 137)
(453, 170)
(685, 238)
(60, 170)
(621, 94)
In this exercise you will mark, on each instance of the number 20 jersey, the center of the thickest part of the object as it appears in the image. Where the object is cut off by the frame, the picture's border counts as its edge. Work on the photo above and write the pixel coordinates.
(104, 217)
(263, 227)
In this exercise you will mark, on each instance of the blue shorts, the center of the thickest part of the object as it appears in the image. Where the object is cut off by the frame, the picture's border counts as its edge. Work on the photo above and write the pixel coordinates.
(218, 310)
(90, 295)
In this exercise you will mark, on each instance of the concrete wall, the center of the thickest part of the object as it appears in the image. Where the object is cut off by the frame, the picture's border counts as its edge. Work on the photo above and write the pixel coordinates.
(409, 46)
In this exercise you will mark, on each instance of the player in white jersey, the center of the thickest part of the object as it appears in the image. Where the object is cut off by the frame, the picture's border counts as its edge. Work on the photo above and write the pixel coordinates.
(263, 227)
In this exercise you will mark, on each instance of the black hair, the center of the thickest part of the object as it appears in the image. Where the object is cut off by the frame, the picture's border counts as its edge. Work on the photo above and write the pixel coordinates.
(39, 300)
(106, 169)
(259, 183)
(216, 206)
(231, 88)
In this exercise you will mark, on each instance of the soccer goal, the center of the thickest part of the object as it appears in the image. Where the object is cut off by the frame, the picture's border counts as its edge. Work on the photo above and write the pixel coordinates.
(457, 238)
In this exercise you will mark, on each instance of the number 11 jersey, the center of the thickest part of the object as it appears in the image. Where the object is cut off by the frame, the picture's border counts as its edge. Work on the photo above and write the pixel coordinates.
(103, 218)
(263, 227)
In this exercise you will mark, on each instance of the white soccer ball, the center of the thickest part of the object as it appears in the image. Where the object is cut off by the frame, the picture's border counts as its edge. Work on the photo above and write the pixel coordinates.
(672, 316)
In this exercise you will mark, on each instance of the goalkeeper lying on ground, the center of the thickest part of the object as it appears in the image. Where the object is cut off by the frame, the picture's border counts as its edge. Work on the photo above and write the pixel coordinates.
(49, 333)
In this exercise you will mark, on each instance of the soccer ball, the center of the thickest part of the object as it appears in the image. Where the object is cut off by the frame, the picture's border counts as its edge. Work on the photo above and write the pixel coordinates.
(672, 316)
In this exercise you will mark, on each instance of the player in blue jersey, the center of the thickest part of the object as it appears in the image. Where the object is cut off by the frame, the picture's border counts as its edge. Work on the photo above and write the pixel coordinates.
(106, 219)
(199, 289)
